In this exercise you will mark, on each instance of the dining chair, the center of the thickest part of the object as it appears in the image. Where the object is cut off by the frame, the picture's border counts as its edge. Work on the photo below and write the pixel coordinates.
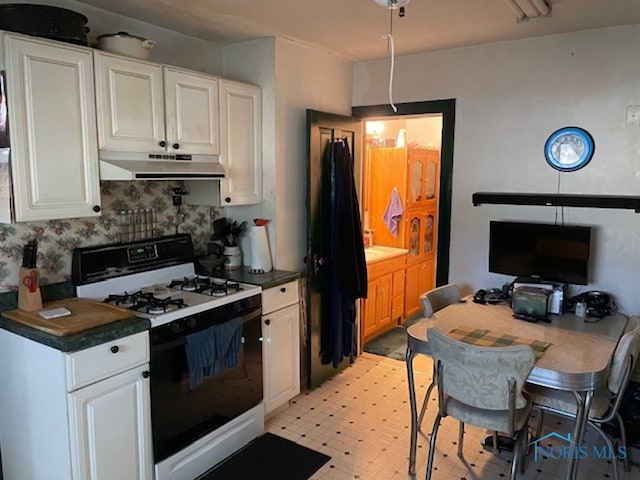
(606, 400)
(432, 301)
(438, 298)
(483, 387)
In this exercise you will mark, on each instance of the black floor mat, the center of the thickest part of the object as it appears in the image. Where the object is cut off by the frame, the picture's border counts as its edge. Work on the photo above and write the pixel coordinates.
(269, 457)
(393, 343)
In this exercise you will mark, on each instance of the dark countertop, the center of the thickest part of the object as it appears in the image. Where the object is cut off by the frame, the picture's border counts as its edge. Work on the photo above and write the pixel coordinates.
(265, 280)
(81, 340)
(68, 343)
(123, 328)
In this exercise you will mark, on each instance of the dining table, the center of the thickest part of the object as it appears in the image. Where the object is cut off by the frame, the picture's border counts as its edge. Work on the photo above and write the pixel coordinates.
(573, 353)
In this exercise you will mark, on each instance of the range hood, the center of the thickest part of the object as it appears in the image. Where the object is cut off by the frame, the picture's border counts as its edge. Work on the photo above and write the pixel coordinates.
(158, 166)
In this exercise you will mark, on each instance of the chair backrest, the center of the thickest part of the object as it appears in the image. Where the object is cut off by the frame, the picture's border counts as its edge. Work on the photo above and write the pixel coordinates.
(438, 298)
(625, 357)
(479, 376)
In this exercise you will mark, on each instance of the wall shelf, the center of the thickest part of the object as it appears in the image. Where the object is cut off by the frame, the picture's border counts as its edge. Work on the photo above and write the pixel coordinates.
(630, 202)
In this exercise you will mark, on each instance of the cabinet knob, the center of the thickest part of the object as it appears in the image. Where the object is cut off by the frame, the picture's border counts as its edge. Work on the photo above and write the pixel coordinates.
(227, 199)
(176, 146)
(267, 322)
(146, 374)
(115, 349)
(162, 143)
(283, 289)
(96, 208)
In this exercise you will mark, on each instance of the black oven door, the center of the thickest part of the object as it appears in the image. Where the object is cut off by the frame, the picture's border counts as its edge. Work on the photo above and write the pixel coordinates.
(182, 412)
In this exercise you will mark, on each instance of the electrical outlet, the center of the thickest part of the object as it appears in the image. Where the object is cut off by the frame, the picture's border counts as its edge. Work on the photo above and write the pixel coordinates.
(179, 190)
(633, 116)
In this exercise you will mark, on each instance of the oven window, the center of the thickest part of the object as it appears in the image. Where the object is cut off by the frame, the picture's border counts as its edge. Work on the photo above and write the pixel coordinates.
(180, 414)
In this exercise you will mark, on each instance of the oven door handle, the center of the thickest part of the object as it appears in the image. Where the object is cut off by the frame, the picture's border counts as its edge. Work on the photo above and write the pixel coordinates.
(181, 339)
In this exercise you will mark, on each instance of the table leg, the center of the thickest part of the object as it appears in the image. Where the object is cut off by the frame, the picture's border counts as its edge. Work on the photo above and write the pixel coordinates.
(414, 412)
(583, 403)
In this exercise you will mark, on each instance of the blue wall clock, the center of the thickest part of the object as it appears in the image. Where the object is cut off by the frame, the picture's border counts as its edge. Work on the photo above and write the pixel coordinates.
(569, 149)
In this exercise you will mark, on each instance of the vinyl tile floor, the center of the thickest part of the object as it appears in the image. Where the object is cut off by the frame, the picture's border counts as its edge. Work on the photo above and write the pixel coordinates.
(360, 418)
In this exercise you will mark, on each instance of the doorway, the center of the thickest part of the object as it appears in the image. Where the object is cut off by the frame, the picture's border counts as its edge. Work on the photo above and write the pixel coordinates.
(445, 110)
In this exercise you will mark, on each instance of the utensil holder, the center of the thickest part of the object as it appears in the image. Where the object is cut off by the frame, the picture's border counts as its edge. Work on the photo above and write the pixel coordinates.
(233, 258)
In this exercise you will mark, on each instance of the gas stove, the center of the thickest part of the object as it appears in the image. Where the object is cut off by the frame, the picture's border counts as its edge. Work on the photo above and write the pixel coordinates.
(154, 278)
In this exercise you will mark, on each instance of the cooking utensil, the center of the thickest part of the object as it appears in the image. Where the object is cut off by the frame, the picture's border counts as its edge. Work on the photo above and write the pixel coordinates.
(124, 43)
(44, 21)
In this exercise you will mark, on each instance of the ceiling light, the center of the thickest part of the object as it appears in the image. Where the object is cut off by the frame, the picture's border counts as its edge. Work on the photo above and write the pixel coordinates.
(392, 4)
(525, 10)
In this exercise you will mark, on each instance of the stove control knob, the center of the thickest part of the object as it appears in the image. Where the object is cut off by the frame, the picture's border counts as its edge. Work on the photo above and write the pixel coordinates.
(146, 374)
(115, 349)
(267, 322)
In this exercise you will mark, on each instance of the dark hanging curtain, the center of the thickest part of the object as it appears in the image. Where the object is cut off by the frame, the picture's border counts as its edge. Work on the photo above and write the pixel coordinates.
(349, 269)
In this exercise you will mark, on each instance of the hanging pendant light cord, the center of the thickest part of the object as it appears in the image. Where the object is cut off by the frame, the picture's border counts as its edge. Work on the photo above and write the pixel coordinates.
(391, 49)
(395, 109)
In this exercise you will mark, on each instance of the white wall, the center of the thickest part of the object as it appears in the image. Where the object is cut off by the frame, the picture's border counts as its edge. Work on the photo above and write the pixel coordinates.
(304, 78)
(509, 98)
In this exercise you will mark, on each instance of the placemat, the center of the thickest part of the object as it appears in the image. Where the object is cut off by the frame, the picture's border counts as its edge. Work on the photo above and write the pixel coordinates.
(487, 338)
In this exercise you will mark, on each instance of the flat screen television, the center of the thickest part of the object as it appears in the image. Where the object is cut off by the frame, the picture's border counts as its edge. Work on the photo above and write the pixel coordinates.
(548, 252)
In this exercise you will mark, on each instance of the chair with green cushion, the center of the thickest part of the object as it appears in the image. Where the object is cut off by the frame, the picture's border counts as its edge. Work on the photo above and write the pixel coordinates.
(483, 387)
(606, 401)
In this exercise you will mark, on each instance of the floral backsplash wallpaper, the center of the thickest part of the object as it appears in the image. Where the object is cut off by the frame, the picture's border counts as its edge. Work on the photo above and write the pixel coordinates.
(57, 238)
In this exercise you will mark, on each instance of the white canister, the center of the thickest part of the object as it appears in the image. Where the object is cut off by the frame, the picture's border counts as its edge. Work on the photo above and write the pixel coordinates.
(581, 309)
(233, 258)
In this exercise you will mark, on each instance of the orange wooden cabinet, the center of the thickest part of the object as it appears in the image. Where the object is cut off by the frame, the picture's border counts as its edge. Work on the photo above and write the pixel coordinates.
(383, 309)
(414, 173)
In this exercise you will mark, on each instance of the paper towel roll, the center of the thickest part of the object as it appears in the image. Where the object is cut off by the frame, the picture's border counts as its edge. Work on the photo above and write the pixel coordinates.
(260, 253)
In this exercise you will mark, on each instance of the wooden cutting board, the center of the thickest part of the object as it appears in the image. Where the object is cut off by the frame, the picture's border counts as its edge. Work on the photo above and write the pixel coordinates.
(85, 314)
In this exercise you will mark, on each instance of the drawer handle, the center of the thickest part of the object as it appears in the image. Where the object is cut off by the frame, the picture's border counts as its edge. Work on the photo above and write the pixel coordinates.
(267, 322)
(146, 374)
(283, 289)
(115, 349)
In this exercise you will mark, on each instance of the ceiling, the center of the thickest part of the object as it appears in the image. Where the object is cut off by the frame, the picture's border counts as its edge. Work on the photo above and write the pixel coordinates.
(356, 29)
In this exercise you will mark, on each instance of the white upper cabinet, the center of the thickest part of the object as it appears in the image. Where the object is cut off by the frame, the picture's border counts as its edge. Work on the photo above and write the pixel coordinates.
(191, 104)
(241, 143)
(145, 107)
(51, 112)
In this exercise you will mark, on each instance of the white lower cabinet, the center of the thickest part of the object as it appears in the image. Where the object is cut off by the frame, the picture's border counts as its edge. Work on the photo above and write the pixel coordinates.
(281, 344)
(81, 416)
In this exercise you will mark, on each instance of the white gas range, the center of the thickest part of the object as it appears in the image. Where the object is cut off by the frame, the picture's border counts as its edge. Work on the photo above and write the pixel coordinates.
(166, 294)
(197, 418)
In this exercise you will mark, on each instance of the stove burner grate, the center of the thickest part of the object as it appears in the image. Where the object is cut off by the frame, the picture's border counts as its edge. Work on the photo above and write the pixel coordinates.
(222, 289)
(129, 300)
(157, 306)
(191, 284)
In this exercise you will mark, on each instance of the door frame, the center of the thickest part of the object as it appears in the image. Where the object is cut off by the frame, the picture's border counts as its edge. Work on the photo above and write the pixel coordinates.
(447, 108)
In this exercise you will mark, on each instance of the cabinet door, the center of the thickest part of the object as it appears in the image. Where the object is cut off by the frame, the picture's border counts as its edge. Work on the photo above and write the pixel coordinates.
(111, 428)
(383, 300)
(422, 177)
(281, 356)
(192, 116)
(53, 130)
(130, 104)
(419, 278)
(240, 143)
(369, 314)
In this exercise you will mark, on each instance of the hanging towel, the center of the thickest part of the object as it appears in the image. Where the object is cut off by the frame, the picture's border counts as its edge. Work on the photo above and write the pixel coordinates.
(199, 350)
(393, 212)
(213, 350)
(227, 338)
